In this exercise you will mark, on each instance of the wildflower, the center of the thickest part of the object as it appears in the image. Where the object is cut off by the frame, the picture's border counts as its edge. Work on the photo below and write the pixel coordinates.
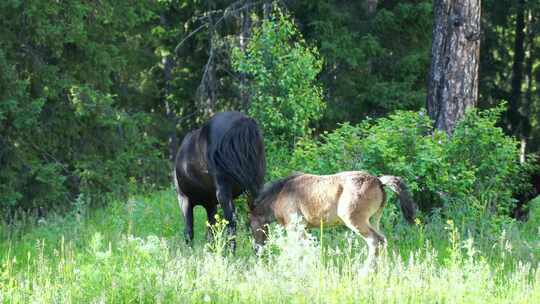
(449, 225)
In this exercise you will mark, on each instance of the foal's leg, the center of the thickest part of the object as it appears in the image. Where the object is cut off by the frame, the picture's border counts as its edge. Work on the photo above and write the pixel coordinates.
(224, 197)
(377, 219)
(373, 238)
(376, 226)
(355, 207)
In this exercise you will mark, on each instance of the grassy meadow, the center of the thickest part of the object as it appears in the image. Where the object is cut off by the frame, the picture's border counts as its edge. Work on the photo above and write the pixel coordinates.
(133, 252)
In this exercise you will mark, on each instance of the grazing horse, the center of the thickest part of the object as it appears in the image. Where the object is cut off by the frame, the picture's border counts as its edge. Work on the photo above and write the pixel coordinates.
(346, 198)
(216, 163)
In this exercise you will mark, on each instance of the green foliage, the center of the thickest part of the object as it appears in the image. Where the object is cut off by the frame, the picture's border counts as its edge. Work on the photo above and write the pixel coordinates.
(285, 96)
(471, 176)
(82, 86)
(81, 119)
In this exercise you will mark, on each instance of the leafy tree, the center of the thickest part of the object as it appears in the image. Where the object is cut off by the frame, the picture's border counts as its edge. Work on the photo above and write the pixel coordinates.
(374, 62)
(73, 118)
(285, 96)
(509, 64)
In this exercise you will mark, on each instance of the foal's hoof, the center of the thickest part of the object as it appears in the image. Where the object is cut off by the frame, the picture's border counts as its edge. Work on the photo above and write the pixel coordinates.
(365, 271)
(368, 268)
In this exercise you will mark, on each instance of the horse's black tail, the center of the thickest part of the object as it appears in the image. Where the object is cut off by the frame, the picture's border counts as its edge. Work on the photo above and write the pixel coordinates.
(408, 206)
(241, 154)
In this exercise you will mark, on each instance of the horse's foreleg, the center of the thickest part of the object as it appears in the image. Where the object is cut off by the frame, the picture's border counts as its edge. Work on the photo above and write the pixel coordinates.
(224, 197)
(211, 215)
(225, 200)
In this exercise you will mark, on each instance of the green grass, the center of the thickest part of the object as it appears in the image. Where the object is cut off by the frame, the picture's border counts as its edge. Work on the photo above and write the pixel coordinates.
(133, 252)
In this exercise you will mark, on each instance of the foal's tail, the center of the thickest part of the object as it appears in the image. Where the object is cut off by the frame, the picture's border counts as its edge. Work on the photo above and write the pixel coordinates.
(408, 206)
(241, 154)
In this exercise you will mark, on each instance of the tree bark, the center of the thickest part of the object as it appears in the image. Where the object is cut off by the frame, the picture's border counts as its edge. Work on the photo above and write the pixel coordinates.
(453, 76)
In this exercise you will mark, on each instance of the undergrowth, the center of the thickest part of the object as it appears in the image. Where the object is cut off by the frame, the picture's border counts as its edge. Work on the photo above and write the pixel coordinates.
(133, 252)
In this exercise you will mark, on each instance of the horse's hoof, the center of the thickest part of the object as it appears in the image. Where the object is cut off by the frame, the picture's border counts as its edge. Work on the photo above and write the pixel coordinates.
(258, 248)
(233, 247)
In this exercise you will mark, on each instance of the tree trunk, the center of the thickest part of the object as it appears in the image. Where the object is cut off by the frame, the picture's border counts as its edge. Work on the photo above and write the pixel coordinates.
(514, 119)
(519, 58)
(529, 83)
(453, 76)
(168, 66)
(267, 9)
(207, 90)
(245, 32)
(371, 6)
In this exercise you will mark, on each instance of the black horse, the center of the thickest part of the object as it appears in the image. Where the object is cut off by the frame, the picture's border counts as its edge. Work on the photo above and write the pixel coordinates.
(216, 163)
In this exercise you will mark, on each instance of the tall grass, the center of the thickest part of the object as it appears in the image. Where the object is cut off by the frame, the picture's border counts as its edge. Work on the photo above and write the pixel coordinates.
(133, 252)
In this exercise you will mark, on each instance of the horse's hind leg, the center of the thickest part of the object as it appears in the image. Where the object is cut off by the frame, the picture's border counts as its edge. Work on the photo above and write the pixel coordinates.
(187, 210)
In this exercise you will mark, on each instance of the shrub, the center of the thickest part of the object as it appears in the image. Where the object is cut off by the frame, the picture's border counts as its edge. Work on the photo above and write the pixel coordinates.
(470, 176)
(91, 146)
(533, 223)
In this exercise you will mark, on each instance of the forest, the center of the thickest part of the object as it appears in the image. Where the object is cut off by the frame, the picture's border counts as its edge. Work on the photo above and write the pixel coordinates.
(96, 97)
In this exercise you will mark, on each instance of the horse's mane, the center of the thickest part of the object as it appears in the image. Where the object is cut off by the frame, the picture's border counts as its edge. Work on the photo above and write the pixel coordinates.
(271, 190)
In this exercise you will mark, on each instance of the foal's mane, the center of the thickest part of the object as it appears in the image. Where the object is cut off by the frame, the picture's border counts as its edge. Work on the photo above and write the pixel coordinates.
(271, 191)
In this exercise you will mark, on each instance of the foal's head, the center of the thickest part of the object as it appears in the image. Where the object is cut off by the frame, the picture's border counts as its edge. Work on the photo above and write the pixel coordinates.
(259, 228)
(262, 210)
(262, 214)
